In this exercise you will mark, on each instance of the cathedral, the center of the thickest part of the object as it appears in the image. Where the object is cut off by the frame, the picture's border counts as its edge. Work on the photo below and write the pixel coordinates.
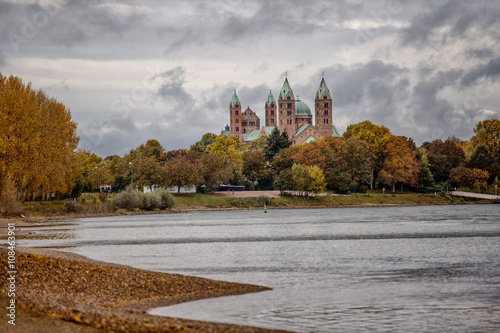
(289, 114)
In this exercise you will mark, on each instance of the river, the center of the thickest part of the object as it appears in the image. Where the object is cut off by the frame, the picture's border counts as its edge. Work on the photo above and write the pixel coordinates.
(416, 269)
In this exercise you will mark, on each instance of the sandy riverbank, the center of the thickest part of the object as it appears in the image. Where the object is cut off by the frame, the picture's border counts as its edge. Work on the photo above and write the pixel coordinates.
(64, 292)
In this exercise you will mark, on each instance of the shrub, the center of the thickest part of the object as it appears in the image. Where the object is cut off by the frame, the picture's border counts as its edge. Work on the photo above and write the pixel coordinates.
(353, 186)
(167, 200)
(128, 199)
(263, 199)
(72, 206)
(132, 199)
(154, 200)
(103, 196)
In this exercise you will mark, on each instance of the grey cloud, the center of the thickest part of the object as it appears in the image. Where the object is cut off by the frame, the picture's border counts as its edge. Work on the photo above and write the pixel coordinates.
(449, 21)
(490, 70)
(351, 85)
(174, 94)
(480, 53)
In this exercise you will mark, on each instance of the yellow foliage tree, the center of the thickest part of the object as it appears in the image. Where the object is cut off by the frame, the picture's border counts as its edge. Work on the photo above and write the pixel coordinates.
(37, 140)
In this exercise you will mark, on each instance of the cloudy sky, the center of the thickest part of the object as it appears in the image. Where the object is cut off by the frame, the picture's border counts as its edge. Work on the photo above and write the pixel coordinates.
(130, 71)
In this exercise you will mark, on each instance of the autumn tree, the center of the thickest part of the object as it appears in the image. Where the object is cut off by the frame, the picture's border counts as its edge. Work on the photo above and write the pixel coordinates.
(254, 165)
(147, 172)
(376, 137)
(181, 171)
(444, 156)
(486, 147)
(400, 163)
(37, 140)
(213, 170)
(230, 148)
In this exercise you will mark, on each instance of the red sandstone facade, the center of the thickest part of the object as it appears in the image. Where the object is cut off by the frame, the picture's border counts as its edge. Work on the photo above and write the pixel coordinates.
(290, 114)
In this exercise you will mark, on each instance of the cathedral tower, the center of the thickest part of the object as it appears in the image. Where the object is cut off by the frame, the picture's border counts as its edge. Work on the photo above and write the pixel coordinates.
(287, 110)
(323, 106)
(271, 114)
(235, 117)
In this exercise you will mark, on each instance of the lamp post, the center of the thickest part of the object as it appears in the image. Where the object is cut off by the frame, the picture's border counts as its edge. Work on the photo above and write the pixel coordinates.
(100, 177)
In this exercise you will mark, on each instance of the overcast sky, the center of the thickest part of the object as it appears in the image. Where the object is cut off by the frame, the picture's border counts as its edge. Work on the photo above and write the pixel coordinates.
(130, 71)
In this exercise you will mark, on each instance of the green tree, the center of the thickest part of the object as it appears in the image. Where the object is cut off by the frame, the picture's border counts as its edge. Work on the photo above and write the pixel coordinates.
(206, 140)
(425, 178)
(284, 181)
(275, 143)
(316, 183)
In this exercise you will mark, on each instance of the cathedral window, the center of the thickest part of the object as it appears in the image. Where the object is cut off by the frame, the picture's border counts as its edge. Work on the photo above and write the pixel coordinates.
(289, 105)
(272, 112)
(237, 129)
(324, 97)
(272, 120)
(325, 105)
(325, 112)
(244, 130)
(236, 112)
(289, 113)
(288, 98)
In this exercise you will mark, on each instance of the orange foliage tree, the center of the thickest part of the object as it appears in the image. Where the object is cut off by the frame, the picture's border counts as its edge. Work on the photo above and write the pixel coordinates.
(37, 140)
(400, 164)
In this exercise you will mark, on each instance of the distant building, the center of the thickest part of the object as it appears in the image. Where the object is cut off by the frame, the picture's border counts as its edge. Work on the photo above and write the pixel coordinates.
(290, 114)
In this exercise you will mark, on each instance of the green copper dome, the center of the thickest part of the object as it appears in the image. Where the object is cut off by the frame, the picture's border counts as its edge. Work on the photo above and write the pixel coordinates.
(301, 109)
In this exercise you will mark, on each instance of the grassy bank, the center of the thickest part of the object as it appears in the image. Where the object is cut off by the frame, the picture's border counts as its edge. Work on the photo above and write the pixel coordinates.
(201, 201)
(91, 206)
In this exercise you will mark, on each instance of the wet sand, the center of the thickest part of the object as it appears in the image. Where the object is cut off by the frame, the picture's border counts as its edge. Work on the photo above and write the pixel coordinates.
(63, 292)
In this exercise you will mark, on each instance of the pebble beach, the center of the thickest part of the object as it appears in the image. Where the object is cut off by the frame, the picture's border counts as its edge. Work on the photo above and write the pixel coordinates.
(59, 291)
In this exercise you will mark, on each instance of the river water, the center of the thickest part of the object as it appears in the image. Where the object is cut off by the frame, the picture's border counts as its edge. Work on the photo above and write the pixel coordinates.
(386, 269)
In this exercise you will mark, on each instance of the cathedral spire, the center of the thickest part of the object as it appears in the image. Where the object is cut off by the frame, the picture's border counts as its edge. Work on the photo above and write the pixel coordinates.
(322, 89)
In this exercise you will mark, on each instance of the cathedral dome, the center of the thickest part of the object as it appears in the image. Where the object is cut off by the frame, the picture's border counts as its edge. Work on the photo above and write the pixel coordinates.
(301, 109)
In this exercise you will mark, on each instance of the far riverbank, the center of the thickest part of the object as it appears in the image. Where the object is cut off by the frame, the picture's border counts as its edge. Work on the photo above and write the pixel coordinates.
(42, 211)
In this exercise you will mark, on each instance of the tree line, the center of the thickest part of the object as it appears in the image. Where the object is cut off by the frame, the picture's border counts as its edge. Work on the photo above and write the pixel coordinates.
(39, 158)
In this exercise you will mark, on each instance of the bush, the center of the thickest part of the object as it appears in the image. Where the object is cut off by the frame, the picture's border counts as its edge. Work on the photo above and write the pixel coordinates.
(353, 186)
(132, 199)
(103, 196)
(263, 199)
(128, 199)
(166, 198)
(72, 206)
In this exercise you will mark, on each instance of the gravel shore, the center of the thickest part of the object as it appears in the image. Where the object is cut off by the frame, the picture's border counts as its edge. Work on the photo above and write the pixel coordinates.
(64, 292)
